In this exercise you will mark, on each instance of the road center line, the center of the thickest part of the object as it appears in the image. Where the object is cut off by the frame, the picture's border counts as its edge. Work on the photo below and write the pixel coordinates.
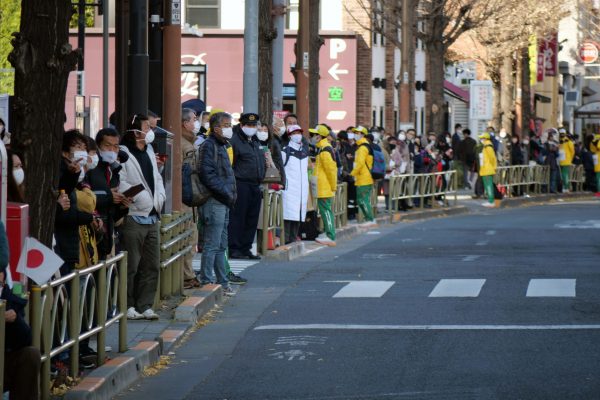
(490, 233)
(470, 258)
(424, 327)
(481, 243)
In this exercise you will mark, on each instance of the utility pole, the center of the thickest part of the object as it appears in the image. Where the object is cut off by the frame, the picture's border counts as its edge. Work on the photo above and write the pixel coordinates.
(407, 55)
(171, 105)
(81, 44)
(155, 54)
(306, 70)
(279, 26)
(121, 49)
(137, 81)
(105, 40)
(251, 57)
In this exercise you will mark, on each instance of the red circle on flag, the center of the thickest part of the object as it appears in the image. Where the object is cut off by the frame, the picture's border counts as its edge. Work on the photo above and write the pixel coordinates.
(588, 52)
(35, 258)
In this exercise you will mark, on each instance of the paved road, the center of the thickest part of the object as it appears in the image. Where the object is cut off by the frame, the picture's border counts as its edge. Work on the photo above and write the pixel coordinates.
(504, 304)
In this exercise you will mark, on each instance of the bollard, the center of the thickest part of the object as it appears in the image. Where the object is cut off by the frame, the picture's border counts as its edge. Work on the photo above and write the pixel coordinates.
(102, 314)
(74, 322)
(123, 303)
(46, 327)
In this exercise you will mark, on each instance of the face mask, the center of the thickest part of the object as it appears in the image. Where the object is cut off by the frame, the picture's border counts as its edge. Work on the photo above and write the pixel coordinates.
(81, 176)
(108, 156)
(448, 140)
(80, 155)
(249, 131)
(402, 137)
(376, 137)
(525, 142)
(351, 136)
(206, 126)
(297, 138)
(392, 146)
(196, 127)
(514, 141)
(503, 134)
(281, 131)
(149, 137)
(358, 136)
(262, 135)
(227, 133)
(94, 163)
(19, 175)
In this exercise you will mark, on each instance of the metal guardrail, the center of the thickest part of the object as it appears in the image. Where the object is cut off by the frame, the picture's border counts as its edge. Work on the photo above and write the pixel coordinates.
(534, 178)
(176, 233)
(340, 205)
(272, 218)
(577, 178)
(75, 307)
(422, 186)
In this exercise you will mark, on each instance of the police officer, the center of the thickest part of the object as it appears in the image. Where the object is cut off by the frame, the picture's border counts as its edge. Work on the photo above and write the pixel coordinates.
(249, 165)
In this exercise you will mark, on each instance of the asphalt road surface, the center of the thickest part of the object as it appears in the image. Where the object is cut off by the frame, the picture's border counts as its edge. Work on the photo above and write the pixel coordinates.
(504, 304)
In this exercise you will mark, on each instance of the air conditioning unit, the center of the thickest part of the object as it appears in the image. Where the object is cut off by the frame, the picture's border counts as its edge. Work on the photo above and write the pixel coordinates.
(571, 98)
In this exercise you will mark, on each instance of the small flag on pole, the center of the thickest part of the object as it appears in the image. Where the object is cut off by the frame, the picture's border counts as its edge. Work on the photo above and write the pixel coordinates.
(38, 262)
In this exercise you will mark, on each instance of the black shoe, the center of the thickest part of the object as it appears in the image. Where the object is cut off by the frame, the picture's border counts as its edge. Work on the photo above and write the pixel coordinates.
(87, 362)
(236, 279)
(86, 350)
(251, 256)
(238, 256)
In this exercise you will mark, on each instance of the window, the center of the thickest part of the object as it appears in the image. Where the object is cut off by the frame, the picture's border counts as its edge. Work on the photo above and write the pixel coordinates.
(203, 13)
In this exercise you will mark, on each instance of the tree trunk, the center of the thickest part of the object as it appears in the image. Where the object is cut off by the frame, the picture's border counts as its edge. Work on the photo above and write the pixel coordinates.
(494, 73)
(314, 46)
(525, 91)
(507, 86)
(266, 34)
(435, 85)
(42, 58)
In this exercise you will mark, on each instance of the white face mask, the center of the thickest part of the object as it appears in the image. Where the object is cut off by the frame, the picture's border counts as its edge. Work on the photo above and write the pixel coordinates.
(281, 131)
(206, 126)
(358, 136)
(196, 127)
(149, 137)
(94, 163)
(402, 137)
(19, 175)
(249, 131)
(108, 156)
(262, 135)
(351, 136)
(227, 133)
(296, 138)
(376, 137)
(80, 155)
(502, 134)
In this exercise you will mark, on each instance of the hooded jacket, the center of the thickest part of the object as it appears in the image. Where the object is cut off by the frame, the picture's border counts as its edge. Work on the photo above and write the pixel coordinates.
(326, 170)
(566, 152)
(363, 163)
(487, 159)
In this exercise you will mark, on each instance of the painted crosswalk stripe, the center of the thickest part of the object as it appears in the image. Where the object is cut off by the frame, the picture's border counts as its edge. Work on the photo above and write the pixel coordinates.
(304, 327)
(236, 266)
(470, 258)
(354, 289)
(457, 288)
(551, 288)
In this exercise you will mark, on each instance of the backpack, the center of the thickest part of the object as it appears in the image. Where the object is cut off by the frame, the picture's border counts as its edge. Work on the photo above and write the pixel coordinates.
(378, 169)
(194, 193)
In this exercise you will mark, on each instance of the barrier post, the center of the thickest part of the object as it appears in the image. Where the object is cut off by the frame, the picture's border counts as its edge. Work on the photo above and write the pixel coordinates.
(123, 303)
(265, 222)
(46, 326)
(281, 221)
(102, 313)
(74, 322)
(164, 283)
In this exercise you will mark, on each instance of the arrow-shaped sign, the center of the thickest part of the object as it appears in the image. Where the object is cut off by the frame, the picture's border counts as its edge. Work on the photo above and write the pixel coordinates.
(334, 71)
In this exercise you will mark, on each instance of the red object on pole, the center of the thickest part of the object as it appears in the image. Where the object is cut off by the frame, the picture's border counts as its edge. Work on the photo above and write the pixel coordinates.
(17, 230)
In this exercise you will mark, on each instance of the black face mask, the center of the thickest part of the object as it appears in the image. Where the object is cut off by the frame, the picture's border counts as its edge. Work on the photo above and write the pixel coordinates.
(392, 146)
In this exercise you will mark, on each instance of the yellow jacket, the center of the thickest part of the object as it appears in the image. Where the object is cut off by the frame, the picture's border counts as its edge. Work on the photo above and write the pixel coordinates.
(325, 170)
(595, 148)
(487, 160)
(566, 147)
(363, 162)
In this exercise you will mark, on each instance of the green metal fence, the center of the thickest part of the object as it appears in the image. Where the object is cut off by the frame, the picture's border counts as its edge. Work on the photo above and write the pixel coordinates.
(272, 218)
(176, 234)
(422, 187)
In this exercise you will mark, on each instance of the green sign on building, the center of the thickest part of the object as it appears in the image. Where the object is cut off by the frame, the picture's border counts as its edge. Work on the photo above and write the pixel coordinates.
(336, 93)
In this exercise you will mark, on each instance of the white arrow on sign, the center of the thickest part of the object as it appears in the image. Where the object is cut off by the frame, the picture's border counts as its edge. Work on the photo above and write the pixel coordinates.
(334, 71)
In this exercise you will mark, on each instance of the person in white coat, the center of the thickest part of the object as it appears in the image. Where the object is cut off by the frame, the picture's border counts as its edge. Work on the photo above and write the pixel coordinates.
(140, 235)
(295, 196)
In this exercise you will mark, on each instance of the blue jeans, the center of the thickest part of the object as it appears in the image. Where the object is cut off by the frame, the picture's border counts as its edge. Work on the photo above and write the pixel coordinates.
(215, 219)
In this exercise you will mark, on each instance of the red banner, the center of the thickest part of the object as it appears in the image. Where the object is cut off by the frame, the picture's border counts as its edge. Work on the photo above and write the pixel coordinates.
(547, 61)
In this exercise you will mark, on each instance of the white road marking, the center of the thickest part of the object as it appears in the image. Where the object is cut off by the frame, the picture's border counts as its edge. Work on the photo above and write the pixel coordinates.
(470, 258)
(304, 340)
(457, 288)
(236, 266)
(551, 288)
(425, 327)
(292, 355)
(373, 233)
(589, 224)
(490, 233)
(364, 289)
(482, 243)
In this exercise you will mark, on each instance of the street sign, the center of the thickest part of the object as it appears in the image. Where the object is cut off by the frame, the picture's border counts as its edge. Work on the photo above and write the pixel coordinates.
(175, 12)
(588, 52)
(480, 102)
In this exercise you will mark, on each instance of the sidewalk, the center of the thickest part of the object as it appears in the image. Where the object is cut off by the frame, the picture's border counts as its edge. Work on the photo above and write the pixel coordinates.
(148, 341)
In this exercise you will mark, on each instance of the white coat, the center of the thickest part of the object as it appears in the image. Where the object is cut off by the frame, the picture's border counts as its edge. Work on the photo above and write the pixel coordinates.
(295, 195)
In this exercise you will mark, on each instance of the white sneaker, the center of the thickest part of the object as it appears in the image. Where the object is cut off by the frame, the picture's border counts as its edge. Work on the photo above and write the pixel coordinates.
(488, 205)
(369, 224)
(323, 239)
(150, 314)
(228, 291)
(133, 314)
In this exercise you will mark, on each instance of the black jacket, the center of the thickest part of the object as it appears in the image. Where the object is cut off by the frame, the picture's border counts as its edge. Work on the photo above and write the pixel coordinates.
(516, 154)
(102, 179)
(18, 333)
(276, 147)
(66, 223)
(216, 172)
(248, 158)
(466, 151)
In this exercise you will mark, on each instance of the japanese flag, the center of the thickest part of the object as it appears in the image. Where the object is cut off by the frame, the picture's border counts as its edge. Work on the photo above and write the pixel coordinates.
(38, 262)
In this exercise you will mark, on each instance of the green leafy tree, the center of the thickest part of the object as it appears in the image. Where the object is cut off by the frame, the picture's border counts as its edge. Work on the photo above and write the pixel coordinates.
(10, 16)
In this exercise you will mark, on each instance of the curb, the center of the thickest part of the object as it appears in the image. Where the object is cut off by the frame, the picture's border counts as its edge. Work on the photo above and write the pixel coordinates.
(119, 373)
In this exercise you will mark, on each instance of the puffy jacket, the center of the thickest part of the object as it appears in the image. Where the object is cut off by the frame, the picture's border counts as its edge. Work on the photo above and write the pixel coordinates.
(131, 175)
(487, 160)
(363, 162)
(295, 195)
(326, 170)
(216, 172)
(595, 148)
(566, 152)
(248, 158)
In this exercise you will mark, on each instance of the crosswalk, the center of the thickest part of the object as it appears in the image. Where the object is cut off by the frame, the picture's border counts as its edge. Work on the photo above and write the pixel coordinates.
(237, 266)
(468, 288)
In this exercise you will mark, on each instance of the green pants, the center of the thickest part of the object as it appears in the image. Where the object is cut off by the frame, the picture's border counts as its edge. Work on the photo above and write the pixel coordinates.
(488, 185)
(327, 216)
(363, 198)
(564, 174)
